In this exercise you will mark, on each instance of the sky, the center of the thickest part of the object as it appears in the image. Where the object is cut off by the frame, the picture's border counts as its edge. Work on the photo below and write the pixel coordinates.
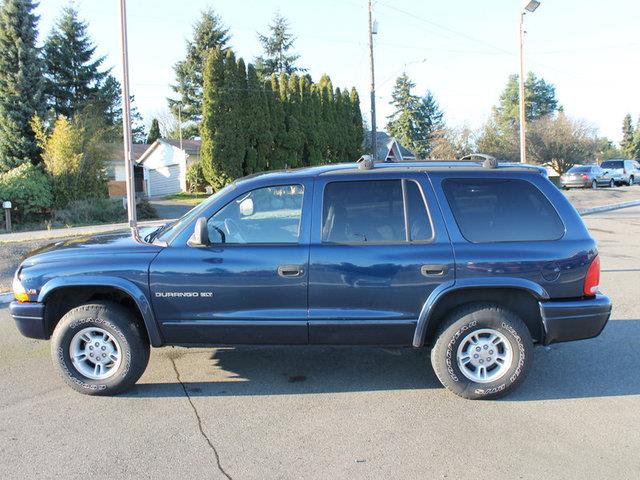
(461, 50)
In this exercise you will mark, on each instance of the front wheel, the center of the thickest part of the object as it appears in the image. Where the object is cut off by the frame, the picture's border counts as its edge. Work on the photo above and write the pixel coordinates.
(99, 349)
(482, 351)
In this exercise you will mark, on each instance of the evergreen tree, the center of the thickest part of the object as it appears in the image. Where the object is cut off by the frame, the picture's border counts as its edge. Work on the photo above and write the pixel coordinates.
(21, 86)
(628, 142)
(209, 33)
(416, 121)
(328, 123)
(540, 100)
(154, 132)
(636, 142)
(276, 45)
(259, 137)
(73, 77)
(279, 156)
(212, 119)
(357, 124)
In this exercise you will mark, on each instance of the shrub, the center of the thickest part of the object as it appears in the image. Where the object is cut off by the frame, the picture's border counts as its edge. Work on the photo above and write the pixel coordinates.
(95, 210)
(100, 210)
(29, 190)
(195, 178)
(145, 210)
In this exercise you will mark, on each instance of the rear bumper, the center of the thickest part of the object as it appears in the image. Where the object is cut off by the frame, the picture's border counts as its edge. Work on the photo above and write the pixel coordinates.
(29, 318)
(575, 184)
(565, 321)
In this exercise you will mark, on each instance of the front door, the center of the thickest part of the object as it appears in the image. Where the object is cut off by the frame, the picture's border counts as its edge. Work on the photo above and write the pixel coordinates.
(250, 285)
(377, 252)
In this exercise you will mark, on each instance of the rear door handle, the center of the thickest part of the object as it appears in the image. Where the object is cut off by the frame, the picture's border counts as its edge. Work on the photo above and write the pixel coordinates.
(434, 270)
(290, 270)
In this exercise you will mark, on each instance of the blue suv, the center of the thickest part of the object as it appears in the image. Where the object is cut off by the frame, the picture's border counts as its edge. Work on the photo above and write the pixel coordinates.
(477, 262)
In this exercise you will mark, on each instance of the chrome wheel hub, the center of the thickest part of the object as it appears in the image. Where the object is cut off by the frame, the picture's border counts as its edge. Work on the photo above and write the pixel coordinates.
(484, 355)
(95, 353)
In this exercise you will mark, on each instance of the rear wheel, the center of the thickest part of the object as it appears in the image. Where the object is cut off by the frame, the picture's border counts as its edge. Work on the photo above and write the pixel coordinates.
(99, 349)
(482, 351)
(594, 184)
(631, 180)
(612, 184)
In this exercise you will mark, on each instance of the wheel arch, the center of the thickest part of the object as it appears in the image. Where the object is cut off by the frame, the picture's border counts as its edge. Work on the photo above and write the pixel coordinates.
(519, 295)
(55, 297)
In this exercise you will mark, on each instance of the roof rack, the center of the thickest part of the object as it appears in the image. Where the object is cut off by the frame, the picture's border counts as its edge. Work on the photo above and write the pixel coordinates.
(366, 162)
(487, 160)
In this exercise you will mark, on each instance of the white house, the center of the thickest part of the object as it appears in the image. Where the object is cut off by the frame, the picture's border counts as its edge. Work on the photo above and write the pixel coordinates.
(164, 166)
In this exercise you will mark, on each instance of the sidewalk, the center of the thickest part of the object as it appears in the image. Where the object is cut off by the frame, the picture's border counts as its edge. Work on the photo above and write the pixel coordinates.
(30, 236)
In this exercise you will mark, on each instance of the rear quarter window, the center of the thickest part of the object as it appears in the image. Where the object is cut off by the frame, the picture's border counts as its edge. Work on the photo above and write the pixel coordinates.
(496, 210)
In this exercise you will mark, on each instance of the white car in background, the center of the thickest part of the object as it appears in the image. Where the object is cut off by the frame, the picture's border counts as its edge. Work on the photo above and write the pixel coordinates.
(622, 171)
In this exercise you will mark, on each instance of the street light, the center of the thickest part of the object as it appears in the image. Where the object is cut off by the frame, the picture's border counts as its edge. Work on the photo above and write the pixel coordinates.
(529, 7)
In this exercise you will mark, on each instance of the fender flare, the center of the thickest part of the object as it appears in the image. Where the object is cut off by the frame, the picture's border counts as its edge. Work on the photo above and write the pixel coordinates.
(125, 286)
(446, 288)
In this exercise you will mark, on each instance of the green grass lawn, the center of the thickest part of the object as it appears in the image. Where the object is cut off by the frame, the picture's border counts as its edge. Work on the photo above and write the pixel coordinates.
(187, 198)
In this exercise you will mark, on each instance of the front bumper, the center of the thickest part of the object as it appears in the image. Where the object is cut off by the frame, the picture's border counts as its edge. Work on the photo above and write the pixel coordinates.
(29, 318)
(565, 321)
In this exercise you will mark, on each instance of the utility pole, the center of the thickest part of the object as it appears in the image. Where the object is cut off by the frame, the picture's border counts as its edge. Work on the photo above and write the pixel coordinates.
(373, 85)
(523, 128)
(530, 6)
(126, 120)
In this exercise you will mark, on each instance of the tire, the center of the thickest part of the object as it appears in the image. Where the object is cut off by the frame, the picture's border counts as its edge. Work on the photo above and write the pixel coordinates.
(612, 184)
(631, 181)
(594, 184)
(453, 339)
(118, 338)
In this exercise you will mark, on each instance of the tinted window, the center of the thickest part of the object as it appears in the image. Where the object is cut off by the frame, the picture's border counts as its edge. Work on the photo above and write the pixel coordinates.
(502, 211)
(612, 164)
(370, 211)
(419, 222)
(264, 215)
(579, 169)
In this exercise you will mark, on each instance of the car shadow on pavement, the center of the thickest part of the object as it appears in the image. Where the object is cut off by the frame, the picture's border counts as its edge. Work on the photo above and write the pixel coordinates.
(298, 370)
(601, 367)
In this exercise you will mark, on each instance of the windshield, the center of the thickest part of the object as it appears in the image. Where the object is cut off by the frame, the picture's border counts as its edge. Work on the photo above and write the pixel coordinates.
(612, 164)
(577, 169)
(167, 233)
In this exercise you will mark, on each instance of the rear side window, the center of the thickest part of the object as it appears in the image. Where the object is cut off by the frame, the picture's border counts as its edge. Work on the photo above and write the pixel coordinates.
(492, 210)
(612, 164)
(374, 211)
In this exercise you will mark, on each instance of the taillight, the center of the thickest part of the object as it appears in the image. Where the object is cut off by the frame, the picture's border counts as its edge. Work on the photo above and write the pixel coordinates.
(584, 177)
(592, 280)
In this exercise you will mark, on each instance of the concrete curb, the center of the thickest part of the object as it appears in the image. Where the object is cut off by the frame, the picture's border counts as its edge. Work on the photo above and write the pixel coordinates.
(8, 296)
(607, 208)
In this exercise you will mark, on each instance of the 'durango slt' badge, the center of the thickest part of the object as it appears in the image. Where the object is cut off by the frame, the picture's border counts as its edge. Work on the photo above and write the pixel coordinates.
(184, 294)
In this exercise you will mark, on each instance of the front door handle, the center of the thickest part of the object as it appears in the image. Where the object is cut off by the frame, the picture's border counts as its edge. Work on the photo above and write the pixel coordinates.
(434, 270)
(290, 270)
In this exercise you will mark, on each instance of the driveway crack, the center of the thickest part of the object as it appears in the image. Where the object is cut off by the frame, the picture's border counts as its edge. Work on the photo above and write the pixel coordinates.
(200, 427)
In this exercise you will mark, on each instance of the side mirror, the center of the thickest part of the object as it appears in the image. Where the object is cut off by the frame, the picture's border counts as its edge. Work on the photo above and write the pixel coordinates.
(200, 236)
(246, 207)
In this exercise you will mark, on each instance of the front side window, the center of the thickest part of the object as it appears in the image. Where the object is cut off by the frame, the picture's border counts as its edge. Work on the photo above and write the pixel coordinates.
(264, 215)
(492, 210)
(374, 211)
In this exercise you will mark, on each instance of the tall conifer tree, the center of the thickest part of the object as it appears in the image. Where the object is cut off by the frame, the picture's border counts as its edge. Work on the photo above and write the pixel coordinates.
(21, 86)
(74, 77)
(208, 33)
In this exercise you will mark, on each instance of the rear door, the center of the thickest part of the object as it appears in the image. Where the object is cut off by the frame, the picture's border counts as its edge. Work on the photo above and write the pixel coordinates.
(378, 249)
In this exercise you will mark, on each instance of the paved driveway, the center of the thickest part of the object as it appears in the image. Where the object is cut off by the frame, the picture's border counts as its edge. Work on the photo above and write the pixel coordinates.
(338, 413)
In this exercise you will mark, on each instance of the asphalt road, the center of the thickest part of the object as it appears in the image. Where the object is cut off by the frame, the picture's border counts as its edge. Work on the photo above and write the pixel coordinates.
(261, 413)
